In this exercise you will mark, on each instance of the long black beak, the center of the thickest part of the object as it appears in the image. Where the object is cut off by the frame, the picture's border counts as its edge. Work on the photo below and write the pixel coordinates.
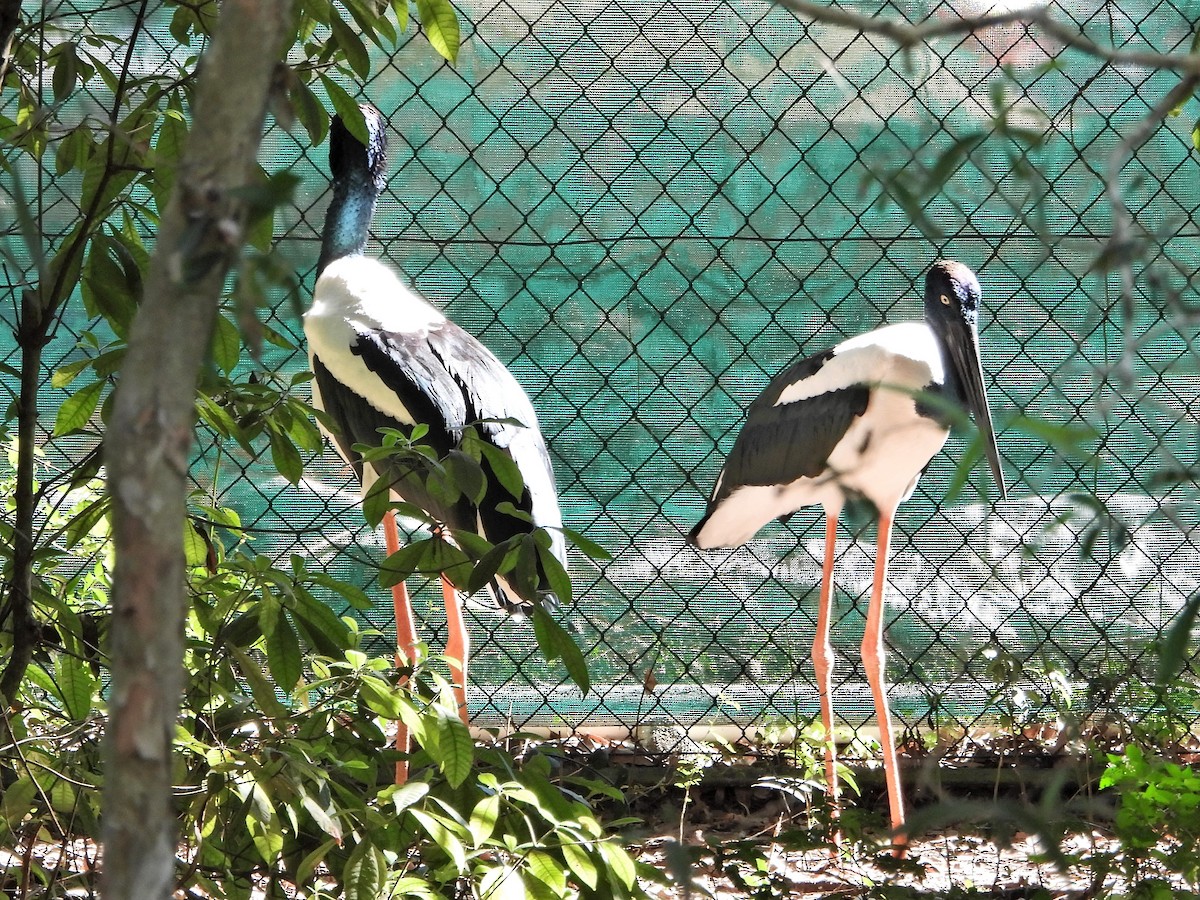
(963, 344)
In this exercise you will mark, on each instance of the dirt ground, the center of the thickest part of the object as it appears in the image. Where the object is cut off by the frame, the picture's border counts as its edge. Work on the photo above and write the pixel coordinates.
(751, 842)
(947, 865)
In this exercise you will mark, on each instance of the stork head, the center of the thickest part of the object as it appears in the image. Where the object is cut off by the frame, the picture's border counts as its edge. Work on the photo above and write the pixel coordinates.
(952, 298)
(351, 160)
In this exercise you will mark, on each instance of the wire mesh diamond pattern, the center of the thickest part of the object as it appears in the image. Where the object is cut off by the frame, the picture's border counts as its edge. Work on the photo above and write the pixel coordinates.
(646, 209)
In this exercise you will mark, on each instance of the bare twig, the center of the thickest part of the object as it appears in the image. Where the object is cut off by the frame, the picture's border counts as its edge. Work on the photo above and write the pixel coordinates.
(1122, 247)
(907, 35)
(10, 17)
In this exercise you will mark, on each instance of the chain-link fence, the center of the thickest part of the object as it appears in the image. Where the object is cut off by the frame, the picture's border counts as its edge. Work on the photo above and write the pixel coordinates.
(648, 208)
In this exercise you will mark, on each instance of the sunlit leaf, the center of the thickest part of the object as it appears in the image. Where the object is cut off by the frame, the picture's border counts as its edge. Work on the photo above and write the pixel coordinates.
(547, 870)
(556, 643)
(484, 817)
(456, 750)
(362, 877)
(76, 411)
(619, 863)
(405, 795)
(581, 864)
(440, 24)
(76, 685)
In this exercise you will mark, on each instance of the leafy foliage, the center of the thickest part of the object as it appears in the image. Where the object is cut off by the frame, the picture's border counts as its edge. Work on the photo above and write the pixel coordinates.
(1157, 819)
(283, 772)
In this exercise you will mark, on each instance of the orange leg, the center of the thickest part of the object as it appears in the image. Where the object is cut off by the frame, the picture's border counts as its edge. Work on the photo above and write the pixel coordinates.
(822, 654)
(874, 662)
(406, 640)
(457, 647)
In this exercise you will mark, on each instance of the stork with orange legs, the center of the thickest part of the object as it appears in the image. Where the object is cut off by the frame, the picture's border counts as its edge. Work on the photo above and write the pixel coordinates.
(861, 420)
(383, 358)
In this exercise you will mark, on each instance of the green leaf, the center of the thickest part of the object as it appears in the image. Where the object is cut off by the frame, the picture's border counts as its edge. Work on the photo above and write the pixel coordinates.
(467, 475)
(525, 576)
(439, 830)
(556, 575)
(555, 643)
(227, 345)
(263, 824)
(430, 557)
(547, 870)
(76, 411)
(325, 818)
(400, 8)
(405, 795)
(195, 548)
(619, 863)
(488, 565)
(351, 593)
(351, 44)
(324, 629)
(310, 863)
(112, 282)
(441, 27)
(74, 150)
(581, 864)
(17, 800)
(1196, 132)
(66, 70)
(503, 883)
(1173, 650)
(64, 375)
(347, 108)
(285, 457)
(503, 469)
(308, 110)
(260, 687)
(283, 654)
(483, 818)
(379, 696)
(589, 547)
(371, 16)
(86, 521)
(76, 685)
(375, 503)
(456, 750)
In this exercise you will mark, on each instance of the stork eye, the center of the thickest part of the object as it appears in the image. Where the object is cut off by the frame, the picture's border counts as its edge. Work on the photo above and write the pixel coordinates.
(945, 300)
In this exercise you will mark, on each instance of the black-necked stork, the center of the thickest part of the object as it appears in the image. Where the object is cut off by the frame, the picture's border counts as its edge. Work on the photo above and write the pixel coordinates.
(384, 358)
(862, 420)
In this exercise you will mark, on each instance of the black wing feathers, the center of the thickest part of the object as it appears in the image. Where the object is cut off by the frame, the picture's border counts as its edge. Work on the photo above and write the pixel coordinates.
(782, 442)
(445, 379)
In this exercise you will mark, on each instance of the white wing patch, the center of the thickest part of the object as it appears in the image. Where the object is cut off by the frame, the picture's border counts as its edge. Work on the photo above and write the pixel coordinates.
(356, 291)
(364, 291)
(905, 355)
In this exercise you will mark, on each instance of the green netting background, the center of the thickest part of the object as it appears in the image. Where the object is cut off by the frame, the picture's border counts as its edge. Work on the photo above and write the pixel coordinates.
(648, 208)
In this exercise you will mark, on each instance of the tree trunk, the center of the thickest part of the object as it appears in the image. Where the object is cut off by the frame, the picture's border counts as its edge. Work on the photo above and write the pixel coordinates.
(150, 438)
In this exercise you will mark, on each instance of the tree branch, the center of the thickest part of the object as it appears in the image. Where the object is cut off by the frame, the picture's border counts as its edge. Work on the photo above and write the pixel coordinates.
(907, 35)
(150, 436)
(1122, 246)
(10, 18)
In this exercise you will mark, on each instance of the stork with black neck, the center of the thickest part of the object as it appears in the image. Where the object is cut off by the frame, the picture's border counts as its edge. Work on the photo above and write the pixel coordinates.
(861, 420)
(385, 358)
